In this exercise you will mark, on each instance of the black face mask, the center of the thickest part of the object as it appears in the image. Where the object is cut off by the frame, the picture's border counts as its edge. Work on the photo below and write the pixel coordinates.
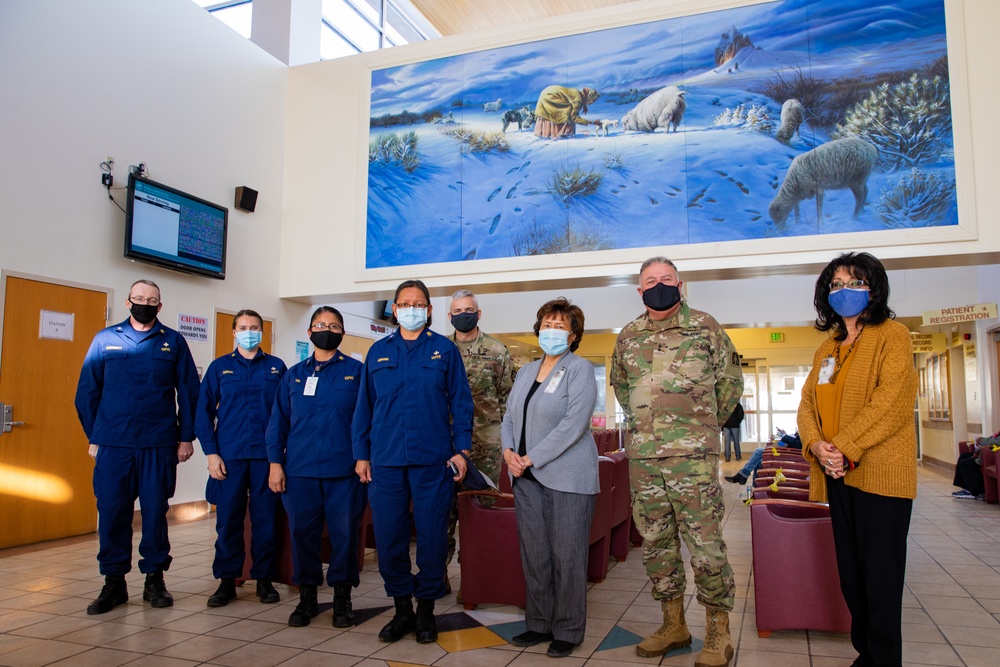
(326, 340)
(465, 322)
(143, 312)
(661, 297)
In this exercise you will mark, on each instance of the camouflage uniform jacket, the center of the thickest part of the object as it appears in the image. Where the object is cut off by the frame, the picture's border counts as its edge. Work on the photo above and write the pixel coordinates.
(491, 375)
(677, 381)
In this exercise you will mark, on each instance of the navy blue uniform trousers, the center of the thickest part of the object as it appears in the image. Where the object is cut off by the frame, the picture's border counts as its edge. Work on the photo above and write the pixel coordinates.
(121, 475)
(430, 488)
(246, 480)
(337, 501)
(869, 534)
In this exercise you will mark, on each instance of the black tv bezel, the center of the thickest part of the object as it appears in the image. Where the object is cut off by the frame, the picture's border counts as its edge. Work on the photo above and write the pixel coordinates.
(131, 253)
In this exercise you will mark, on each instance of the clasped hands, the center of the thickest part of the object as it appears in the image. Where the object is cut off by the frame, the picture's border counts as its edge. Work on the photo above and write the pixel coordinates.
(516, 463)
(830, 458)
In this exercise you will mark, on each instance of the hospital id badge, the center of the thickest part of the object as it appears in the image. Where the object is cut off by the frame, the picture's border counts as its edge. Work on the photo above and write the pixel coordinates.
(311, 383)
(826, 370)
(554, 382)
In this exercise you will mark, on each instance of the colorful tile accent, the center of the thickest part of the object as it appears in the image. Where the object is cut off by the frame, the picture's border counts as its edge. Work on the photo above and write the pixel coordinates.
(471, 638)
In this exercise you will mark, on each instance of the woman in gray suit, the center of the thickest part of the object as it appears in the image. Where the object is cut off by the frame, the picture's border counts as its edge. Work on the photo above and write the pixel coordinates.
(552, 459)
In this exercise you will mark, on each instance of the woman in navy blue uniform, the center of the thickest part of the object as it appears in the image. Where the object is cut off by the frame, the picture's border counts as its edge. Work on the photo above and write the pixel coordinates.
(233, 411)
(414, 416)
(309, 449)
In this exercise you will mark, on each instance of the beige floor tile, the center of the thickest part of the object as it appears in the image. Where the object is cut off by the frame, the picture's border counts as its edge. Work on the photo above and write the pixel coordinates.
(317, 659)
(202, 648)
(42, 653)
(972, 636)
(151, 640)
(929, 654)
(257, 655)
(56, 627)
(484, 657)
(99, 657)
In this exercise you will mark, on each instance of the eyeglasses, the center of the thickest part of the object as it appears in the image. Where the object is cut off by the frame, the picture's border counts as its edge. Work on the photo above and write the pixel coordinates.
(143, 301)
(323, 326)
(850, 284)
(413, 305)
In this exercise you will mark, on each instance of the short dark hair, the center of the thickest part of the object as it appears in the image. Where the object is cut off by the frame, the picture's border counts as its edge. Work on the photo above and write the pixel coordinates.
(246, 312)
(326, 309)
(562, 306)
(419, 284)
(862, 266)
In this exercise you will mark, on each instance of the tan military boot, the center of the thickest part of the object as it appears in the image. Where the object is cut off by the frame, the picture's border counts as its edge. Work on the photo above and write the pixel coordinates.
(672, 634)
(718, 650)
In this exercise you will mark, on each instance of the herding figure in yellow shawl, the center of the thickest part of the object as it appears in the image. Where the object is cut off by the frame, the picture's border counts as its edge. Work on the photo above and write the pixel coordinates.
(559, 110)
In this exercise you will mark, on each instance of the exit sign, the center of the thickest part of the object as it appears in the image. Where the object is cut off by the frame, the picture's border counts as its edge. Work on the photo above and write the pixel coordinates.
(777, 337)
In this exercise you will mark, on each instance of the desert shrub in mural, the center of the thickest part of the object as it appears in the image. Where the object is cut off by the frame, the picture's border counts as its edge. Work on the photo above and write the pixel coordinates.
(792, 118)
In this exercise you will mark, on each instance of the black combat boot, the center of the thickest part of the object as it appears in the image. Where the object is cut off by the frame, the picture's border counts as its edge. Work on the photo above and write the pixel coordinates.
(114, 593)
(343, 612)
(426, 626)
(155, 591)
(224, 594)
(402, 624)
(266, 592)
(307, 608)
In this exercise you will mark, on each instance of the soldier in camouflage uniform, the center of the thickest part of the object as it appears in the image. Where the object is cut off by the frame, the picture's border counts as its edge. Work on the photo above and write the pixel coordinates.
(677, 376)
(491, 375)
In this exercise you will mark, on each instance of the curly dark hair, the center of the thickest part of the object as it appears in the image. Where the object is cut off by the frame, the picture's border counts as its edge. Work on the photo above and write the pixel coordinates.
(862, 266)
(568, 311)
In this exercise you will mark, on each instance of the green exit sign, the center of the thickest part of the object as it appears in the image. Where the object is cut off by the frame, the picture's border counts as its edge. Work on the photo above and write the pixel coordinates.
(777, 337)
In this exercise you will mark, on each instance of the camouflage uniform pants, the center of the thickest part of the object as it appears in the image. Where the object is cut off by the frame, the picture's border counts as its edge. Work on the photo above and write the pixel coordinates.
(680, 497)
(488, 461)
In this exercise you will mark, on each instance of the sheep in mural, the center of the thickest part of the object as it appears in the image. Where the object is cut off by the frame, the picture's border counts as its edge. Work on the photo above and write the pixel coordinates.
(493, 107)
(663, 108)
(838, 165)
(792, 113)
(604, 126)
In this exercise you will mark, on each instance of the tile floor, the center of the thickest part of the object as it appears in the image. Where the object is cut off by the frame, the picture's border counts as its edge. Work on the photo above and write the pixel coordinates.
(951, 615)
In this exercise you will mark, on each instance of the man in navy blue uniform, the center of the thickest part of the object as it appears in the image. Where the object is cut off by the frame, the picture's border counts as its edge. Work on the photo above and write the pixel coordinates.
(233, 411)
(413, 418)
(136, 401)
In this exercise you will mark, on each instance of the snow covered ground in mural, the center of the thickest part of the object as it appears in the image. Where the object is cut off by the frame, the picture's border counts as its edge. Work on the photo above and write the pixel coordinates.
(712, 181)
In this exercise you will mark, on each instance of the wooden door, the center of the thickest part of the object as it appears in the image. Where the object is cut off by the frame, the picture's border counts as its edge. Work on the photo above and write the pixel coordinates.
(46, 489)
(224, 342)
(355, 345)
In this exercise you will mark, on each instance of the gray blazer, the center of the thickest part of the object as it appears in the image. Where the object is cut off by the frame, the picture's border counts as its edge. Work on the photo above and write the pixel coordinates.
(557, 437)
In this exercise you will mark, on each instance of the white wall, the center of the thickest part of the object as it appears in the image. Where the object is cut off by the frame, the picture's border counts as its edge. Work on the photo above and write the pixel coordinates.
(158, 82)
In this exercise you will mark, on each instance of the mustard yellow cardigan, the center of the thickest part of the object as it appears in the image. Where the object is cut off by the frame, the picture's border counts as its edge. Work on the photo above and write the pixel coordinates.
(876, 414)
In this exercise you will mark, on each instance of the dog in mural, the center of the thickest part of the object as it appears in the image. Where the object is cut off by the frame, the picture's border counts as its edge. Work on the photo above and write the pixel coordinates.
(524, 117)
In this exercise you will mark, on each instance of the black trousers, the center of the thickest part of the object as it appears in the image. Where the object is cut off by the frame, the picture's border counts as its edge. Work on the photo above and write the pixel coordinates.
(969, 474)
(869, 533)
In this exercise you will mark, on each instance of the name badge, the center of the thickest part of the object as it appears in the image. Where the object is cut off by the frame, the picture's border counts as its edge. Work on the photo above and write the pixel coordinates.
(554, 382)
(826, 370)
(311, 386)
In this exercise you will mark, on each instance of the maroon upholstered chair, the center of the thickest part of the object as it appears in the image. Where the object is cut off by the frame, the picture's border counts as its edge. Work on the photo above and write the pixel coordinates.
(788, 493)
(991, 474)
(621, 506)
(491, 554)
(600, 526)
(795, 537)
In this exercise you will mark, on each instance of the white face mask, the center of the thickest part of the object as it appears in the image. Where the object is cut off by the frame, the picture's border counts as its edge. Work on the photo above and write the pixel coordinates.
(412, 319)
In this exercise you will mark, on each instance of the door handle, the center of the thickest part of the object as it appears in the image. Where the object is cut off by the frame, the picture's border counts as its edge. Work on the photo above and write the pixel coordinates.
(7, 415)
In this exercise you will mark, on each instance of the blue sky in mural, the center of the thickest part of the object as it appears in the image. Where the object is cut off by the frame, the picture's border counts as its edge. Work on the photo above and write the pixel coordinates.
(443, 195)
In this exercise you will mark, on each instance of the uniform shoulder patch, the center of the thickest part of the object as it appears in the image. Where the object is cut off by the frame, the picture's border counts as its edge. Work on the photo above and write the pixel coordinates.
(736, 359)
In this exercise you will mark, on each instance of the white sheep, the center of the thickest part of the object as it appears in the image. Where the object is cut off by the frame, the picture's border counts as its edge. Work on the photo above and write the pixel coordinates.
(792, 113)
(493, 107)
(661, 109)
(838, 165)
(604, 126)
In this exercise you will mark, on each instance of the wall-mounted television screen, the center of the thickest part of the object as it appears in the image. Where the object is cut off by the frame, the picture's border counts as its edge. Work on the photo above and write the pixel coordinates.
(383, 311)
(170, 228)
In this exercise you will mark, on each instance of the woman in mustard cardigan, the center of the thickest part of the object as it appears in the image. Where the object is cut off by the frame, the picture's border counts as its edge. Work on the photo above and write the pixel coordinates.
(856, 422)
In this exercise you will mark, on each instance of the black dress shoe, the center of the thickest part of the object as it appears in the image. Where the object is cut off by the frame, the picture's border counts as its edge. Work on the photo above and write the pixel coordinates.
(224, 594)
(114, 593)
(425, 625)
(737, 479)
(560, 649)
(530, 638)
(155, 591)
(402, 623)
(307, 608)
(266, 592)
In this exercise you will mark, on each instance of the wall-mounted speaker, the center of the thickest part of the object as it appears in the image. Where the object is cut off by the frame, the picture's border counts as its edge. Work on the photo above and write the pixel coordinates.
(246, 199)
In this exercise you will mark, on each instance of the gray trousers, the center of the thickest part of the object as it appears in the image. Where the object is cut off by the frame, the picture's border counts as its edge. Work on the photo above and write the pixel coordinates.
(553, 528)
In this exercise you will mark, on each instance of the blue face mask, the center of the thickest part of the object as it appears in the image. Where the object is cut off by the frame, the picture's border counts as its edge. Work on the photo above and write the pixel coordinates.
(248, 340)
(412, 319)
(553, 341)
(848, 302)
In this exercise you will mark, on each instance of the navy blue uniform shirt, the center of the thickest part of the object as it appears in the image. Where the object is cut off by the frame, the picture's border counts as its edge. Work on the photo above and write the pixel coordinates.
(311, 435)
(415, 405)
(137, 388)
(235, 404)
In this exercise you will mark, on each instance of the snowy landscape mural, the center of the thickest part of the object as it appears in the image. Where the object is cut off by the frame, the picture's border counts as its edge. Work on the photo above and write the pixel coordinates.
(791, 118)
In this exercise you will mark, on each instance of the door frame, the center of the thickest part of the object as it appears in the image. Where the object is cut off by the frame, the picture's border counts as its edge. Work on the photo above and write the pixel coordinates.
(5, 273)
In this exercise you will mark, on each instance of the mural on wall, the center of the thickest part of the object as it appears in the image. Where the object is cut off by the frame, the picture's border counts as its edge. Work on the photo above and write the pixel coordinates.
(790, 118)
